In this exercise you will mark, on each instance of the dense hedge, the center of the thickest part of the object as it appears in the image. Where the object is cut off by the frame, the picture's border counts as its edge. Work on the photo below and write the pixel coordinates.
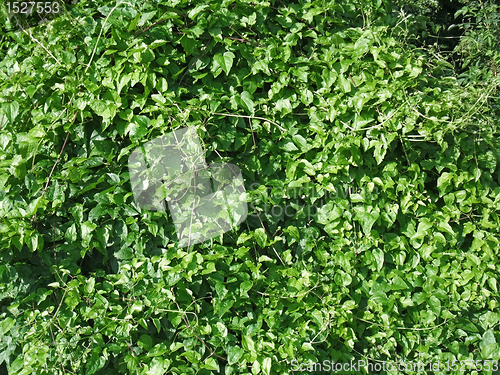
(372, 177)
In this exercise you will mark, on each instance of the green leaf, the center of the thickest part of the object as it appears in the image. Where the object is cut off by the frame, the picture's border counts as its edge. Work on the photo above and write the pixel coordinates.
(6, 325)
(11, 110)
(248, 343)
(294, 232)
(445, 227)
(477, 174)
(379, 258)
(245, 287)
(188, 44)
(261, 237)
(68, 58)
(159, 349)
(89, 286)
(159, 98)
(362, 45)
(72, 298)
(301, 73)
(398, 283)
(288, 146)
(435, 304)
(87, 229)
(225, 61)
(196, 10)
(35, 242)
(211, 364)
(247, 102)
(266, 366)
(95, 363)
(342, 278)
(234, 354)
(444, 182)
(345, 85)
(488, 338)
(284, 106)
(367, 216)
(71, 234)
(158, 366)
(306, 97)
(124, 254)
(100, 108)
(243, 238)
(17, 365)
(300, 141)
(145, 17)
(145, 342)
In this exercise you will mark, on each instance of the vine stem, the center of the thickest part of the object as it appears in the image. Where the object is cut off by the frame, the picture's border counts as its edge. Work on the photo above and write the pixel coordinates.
(36, 40)
(54, 166)
(250, 117)
(100, 33)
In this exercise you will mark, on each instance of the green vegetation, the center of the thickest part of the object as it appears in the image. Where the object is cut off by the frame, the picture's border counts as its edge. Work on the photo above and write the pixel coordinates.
(367, 135)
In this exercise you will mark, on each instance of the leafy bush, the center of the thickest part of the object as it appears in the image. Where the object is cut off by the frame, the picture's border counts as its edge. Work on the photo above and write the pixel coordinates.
(371, 171)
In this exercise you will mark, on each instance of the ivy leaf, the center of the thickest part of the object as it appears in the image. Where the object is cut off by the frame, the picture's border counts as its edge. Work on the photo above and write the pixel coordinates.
(247, 102)
(266, 366)
(234, 354)
(87, 229)
(68, 58)
(71, 234)
(95, 363)
(196, 10)
(300, 141)
(189, 44)
(6, 325)
(124, 254)
(361, 46)
(284, 106)
(301, 73)
(159, 349)
(100, 108)
(245, 287)
(11, 110)
(248, 343)
(444, 182)
(261, 237)
(211, 364)
(434, 304)
(145, 342)
(225, 61)
(306, 97)
(367, 216)
(398, 283)
(345, 85)
(288, 146)
(379, 258)
(445, 227)
(89, 287)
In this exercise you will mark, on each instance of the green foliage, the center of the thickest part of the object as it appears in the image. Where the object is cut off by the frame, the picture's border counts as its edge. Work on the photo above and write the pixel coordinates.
(372, 172)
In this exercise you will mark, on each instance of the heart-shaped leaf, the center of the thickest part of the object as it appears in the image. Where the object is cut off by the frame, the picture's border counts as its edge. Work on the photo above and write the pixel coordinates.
(247, 102)
(225, 61)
